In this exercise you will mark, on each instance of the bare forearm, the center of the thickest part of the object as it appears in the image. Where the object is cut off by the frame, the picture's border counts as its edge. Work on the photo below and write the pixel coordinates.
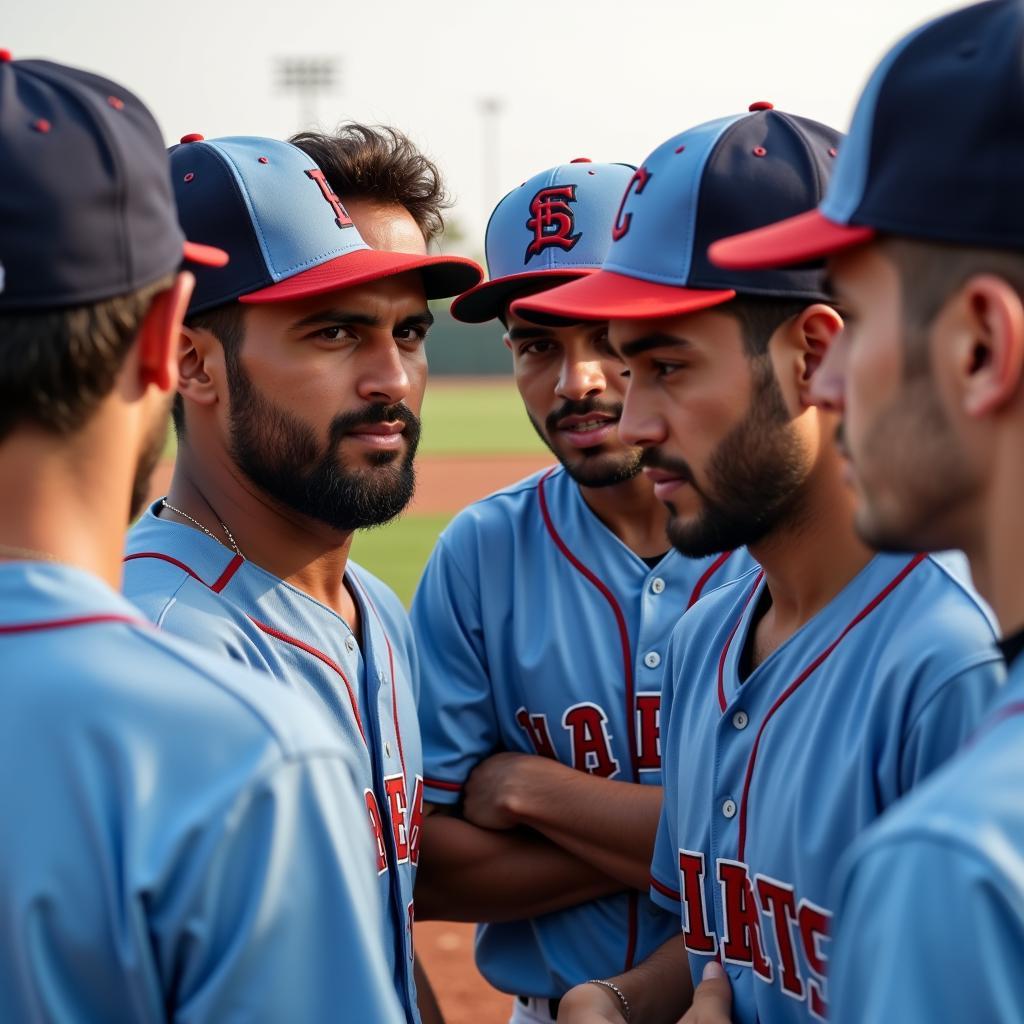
(426, 1000)
(468, 873)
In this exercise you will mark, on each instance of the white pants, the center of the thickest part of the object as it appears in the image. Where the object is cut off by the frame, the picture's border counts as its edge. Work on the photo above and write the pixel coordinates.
(535, 1012)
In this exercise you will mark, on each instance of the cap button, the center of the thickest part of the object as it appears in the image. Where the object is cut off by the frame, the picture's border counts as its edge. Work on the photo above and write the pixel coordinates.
(582, 160)
(5, 56)
(192, 137)
(761, 105)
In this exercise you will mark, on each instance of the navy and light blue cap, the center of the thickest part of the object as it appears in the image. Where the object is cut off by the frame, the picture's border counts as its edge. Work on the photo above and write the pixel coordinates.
(86, 210)
(935, 150)
(289, 235)
(553, 228)
(714, 180)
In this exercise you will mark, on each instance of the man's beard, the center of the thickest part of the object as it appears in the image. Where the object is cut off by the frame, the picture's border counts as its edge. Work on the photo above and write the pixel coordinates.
(149, 459)
(280, 454)
(594, 468)
(754, 483)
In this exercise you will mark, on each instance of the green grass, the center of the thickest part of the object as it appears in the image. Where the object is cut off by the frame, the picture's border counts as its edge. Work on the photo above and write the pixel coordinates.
(476, 417)
(397, 552)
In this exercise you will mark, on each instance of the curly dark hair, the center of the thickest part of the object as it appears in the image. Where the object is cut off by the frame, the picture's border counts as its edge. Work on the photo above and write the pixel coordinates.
(380, 162)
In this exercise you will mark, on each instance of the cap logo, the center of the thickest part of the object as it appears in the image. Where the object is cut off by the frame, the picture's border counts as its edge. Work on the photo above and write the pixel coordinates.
(552, 220)
(640, 178)
(341, 217)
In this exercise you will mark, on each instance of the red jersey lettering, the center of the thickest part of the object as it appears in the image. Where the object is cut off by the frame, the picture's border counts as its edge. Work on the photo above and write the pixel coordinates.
(536, 728)
(394, 786)
(778, 901)
(377, 826)
(696, 934)
(741, 943)
(416, 822)
(648, 732)
(814, 923)
(591, 744)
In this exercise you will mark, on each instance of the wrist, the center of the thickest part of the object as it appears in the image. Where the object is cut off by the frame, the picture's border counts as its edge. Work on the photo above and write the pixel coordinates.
(615, 997)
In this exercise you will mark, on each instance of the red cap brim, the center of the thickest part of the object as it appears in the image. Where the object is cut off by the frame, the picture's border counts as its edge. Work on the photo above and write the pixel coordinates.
(443, 276)
(801, 239)
(607, 295)
(205, 255)
(487, 301)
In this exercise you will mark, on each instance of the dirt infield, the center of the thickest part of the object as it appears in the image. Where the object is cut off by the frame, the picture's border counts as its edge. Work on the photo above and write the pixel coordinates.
(446, 952)
(444, 483)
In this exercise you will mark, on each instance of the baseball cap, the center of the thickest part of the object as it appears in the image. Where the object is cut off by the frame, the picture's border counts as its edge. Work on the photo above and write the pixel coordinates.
(271, 206)
(719, 178)
(86, 209)
(935, 150)
(554, 228)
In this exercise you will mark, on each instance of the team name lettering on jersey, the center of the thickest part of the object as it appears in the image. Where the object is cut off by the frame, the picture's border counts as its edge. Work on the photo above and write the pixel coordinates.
(394, 786)
(591, 744)
(749, 907)
(377, 827)
(406, 821)
(416, 821)
(536, 728)
(648, 732)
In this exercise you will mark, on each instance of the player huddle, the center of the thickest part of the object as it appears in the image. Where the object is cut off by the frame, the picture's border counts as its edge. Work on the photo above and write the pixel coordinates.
(706, 722)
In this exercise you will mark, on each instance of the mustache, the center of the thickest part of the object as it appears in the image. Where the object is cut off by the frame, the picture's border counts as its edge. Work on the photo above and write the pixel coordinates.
(347, 422)
(581, 407)
(655, 458)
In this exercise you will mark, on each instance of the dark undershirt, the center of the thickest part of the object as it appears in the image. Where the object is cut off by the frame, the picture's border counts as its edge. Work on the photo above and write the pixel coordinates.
(652, 562)
(1012, 646)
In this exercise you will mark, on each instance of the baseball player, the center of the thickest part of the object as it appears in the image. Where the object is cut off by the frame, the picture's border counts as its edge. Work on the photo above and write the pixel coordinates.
(805, 698)
(154, 796)
(394, 193)
(541, 623)
(302, 372)
(926, 254)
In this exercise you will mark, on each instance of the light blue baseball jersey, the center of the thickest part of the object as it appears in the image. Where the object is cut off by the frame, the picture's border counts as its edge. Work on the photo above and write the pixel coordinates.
(189, 584)
(768, 779)
(930, 902)
(539, 631)
(178, 841)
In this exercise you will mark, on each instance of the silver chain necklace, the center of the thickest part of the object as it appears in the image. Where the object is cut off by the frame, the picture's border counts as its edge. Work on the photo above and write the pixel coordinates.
(164, 503)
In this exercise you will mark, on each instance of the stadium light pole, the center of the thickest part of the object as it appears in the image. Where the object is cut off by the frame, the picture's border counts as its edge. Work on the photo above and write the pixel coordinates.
(491, 108)
(307, 77)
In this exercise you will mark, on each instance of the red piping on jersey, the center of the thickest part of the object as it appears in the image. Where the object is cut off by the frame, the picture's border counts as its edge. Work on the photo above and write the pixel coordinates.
(708, 573)
(391, 668)
(627, 660)
(218, 584)
(722, 702)
(672, 894)
(451, 787)
(320, 656)
(802, 678)
(79, 620)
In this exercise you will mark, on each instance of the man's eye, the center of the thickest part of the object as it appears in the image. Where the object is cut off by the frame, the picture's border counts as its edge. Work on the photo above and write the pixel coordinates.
(536, 348)
(335, 333)
(411, 333)
(666, 369)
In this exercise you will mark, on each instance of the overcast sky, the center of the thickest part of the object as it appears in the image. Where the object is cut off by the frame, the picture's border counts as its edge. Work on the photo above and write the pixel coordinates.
(608, 79)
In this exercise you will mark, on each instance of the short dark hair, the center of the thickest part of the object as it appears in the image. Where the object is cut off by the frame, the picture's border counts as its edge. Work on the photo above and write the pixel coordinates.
(931, 271)
(227, 324)
(760, 317)
(57, 365)
(380, 162)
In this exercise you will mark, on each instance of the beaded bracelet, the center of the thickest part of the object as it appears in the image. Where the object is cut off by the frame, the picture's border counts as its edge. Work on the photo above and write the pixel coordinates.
(618, 992)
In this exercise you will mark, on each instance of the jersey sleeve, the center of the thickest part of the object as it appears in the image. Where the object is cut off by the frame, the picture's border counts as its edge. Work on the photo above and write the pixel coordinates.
(283, 883)
(925, 931)
(948, 714)
(456, 707)
(664, 889)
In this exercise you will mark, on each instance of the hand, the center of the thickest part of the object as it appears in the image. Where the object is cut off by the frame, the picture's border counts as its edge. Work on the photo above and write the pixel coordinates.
(712, 1001)
(590, 1004)
(500, 787)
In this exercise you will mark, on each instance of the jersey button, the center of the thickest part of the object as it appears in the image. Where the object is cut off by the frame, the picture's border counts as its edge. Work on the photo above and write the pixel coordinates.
(652, 659)
(387, 749)
(740, 720)
(729, 808)
(657, 585)
(350, 644)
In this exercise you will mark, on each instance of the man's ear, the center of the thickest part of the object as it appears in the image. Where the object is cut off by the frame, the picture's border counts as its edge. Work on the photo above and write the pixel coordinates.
(813, 332)
(196, 349)
(158, 334)
(989, 350)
